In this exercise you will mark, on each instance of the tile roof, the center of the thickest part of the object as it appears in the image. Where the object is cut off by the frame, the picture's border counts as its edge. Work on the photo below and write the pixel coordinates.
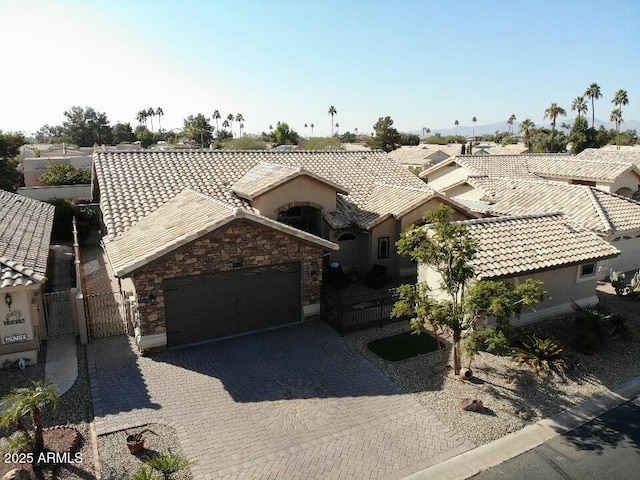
(630, 155)
(25, 232)
(578, 168)
(592, 208)
(134, 184)
(266, 176)
(511, 246)
(182, 219)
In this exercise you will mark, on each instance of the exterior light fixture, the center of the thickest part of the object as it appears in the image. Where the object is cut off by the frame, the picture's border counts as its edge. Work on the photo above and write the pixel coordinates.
(152, 297)
(8, 300)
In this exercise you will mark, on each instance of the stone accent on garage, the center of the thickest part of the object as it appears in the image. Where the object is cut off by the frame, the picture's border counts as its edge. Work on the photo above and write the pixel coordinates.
(241, 242)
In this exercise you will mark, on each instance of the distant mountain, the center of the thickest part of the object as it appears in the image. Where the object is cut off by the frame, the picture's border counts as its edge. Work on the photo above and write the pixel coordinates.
(491, 128)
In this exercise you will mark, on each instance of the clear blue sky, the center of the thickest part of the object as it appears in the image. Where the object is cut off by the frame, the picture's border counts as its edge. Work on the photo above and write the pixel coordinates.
(424, 63)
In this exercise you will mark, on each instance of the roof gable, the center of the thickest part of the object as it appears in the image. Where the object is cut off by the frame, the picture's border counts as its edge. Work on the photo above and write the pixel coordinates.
(186, 217)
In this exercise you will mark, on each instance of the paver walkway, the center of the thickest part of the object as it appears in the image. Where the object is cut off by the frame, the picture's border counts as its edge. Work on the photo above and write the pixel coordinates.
(290, 403)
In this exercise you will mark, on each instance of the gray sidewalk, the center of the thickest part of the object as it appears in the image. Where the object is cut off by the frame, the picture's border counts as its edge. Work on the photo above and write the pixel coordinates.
(474, 461)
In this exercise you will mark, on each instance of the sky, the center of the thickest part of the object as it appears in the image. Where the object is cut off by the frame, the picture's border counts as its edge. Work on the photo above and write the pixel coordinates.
(424, 63)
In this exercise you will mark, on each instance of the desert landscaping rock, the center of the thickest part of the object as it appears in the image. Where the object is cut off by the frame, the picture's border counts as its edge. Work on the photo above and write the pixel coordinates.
(471, 405)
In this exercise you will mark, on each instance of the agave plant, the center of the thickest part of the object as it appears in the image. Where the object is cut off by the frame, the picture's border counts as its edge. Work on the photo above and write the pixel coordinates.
(168, 464)
(543, 355)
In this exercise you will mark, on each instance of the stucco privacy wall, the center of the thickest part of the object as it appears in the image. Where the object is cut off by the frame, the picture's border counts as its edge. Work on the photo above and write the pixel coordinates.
(21, 320)
(241, 240)
(300, 188)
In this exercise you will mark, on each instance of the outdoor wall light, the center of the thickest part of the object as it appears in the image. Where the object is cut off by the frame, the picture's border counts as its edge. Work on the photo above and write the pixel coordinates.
(152, 297)
(313, 273)
(8, 300)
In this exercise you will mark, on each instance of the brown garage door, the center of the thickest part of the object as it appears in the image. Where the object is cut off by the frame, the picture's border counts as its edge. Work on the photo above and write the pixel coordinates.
(203, 307)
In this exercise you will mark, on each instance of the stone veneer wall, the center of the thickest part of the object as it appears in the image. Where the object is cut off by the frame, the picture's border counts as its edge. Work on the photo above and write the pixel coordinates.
(252, 243)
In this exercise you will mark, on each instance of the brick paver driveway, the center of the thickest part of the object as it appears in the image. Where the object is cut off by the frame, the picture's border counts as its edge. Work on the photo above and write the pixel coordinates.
(296, 402)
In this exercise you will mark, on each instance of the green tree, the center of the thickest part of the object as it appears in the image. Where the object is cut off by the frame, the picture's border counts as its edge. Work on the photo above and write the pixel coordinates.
(198, 129)
(620, 99)
(160, 114)
(348, 137)
(545, 141)
(581, 136)
(85, 127)
(512, 119)
(122, 133)
(527, 127)
(284, 135)
(141, 117)
(144, 136)
(616, 117)
(151, 113)
(10, 177)
(448, 248)
(240, 119)
(64, 174)
(332, 112)
(593, 93)
(32, 401)
(579, 105)
(230, 119)
(49, 134)
(386, 137)
(552, 113)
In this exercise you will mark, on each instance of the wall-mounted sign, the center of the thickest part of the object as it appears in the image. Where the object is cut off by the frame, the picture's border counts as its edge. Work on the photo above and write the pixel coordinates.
(15, 338)
(14, 317)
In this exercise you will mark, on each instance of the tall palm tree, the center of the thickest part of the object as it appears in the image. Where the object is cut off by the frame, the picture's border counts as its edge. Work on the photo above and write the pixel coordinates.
(160, 114)
(337, 127)
(552, 113)
(579, 105)
(141, 117)
(306, 132)
(593, 92)
(512, 119)
(216, 116)
(230, 119)
(456, 123)
(428, 130)
(151, 113)
(526, 127)
(332, 112)
(616, 117)
(225, 124)
(240, 120)
(620, 99)
(474, 120)
(356, 130)
(311, 129)
(424, 130)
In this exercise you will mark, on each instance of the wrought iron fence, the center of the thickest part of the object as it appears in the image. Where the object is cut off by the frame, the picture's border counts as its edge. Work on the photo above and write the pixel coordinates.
(107, 314)
(58, 313)
(357, 312)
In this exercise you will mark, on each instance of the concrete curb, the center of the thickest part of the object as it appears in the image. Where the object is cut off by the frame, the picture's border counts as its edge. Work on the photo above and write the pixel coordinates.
(474, 461)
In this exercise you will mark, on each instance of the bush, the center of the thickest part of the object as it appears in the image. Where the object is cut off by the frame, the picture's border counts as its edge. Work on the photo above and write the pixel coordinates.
(542, 355)
(19, 442)
(409, 139)
(490, 340)
(593, 327)
(245, 143)
(323, 143)
(64, 174)
(168, 464)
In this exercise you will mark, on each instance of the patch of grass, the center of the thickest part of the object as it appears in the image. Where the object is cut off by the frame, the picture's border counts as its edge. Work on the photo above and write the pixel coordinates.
(402, 346)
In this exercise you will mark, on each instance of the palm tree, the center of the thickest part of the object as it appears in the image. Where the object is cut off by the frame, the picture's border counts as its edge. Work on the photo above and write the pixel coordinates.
(552, 113)
(141, 117)
(306, 127)
(579, 105)
(593, 92)
(616, 117)
(620, 99)
(151, 113)
(311, 129)
(337, 126)
(332, 112)
(240, 119)
(216, 116)
(160, 114)
(225, 124)
(512, 119)
(526, 127)
(424, 131)
(474, 120)
(456, 123)
(270, 127)
(32, 401)
(230, 119)
(356, 130)
(428, 130)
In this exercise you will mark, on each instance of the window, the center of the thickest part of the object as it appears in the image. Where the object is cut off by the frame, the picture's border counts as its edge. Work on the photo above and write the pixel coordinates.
(586, 271)
(383, 247)
(346, 237)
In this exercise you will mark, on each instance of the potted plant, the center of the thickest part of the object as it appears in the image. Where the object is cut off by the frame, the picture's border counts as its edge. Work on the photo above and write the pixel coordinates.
(135, 441)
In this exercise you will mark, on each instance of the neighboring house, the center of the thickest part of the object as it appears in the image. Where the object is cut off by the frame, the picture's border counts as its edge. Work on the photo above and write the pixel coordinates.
(33, 168)
(25, 231)
(215, 243)
(549, 247)
(614, 218)
(451, 177)
(625, 154)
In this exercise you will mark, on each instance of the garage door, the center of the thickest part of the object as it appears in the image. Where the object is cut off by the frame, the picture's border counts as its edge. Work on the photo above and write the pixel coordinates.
(203, 307)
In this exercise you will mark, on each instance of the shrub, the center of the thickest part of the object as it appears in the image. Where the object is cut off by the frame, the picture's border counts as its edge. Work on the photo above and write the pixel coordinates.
(542, 355)
(64, 174)
(593, 326)
(490, 340)
(19, 442)
(323, 143)
(168, 464)
(245, 143)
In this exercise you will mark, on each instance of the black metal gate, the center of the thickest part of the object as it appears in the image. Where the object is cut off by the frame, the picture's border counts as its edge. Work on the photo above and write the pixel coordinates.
(107, 315)
(58, 314)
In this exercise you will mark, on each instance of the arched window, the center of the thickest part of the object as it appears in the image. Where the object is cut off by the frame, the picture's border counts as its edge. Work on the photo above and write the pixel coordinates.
(345, 237)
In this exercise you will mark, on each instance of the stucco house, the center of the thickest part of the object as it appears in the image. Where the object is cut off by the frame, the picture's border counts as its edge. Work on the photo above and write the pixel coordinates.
(25, 232)
(220, 243)
(614, 218)
(450, 177)
(547, 247)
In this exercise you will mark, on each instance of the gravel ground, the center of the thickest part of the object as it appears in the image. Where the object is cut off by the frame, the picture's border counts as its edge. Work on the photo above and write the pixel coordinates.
(116, 461)
(513, 397)
(75, 410)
